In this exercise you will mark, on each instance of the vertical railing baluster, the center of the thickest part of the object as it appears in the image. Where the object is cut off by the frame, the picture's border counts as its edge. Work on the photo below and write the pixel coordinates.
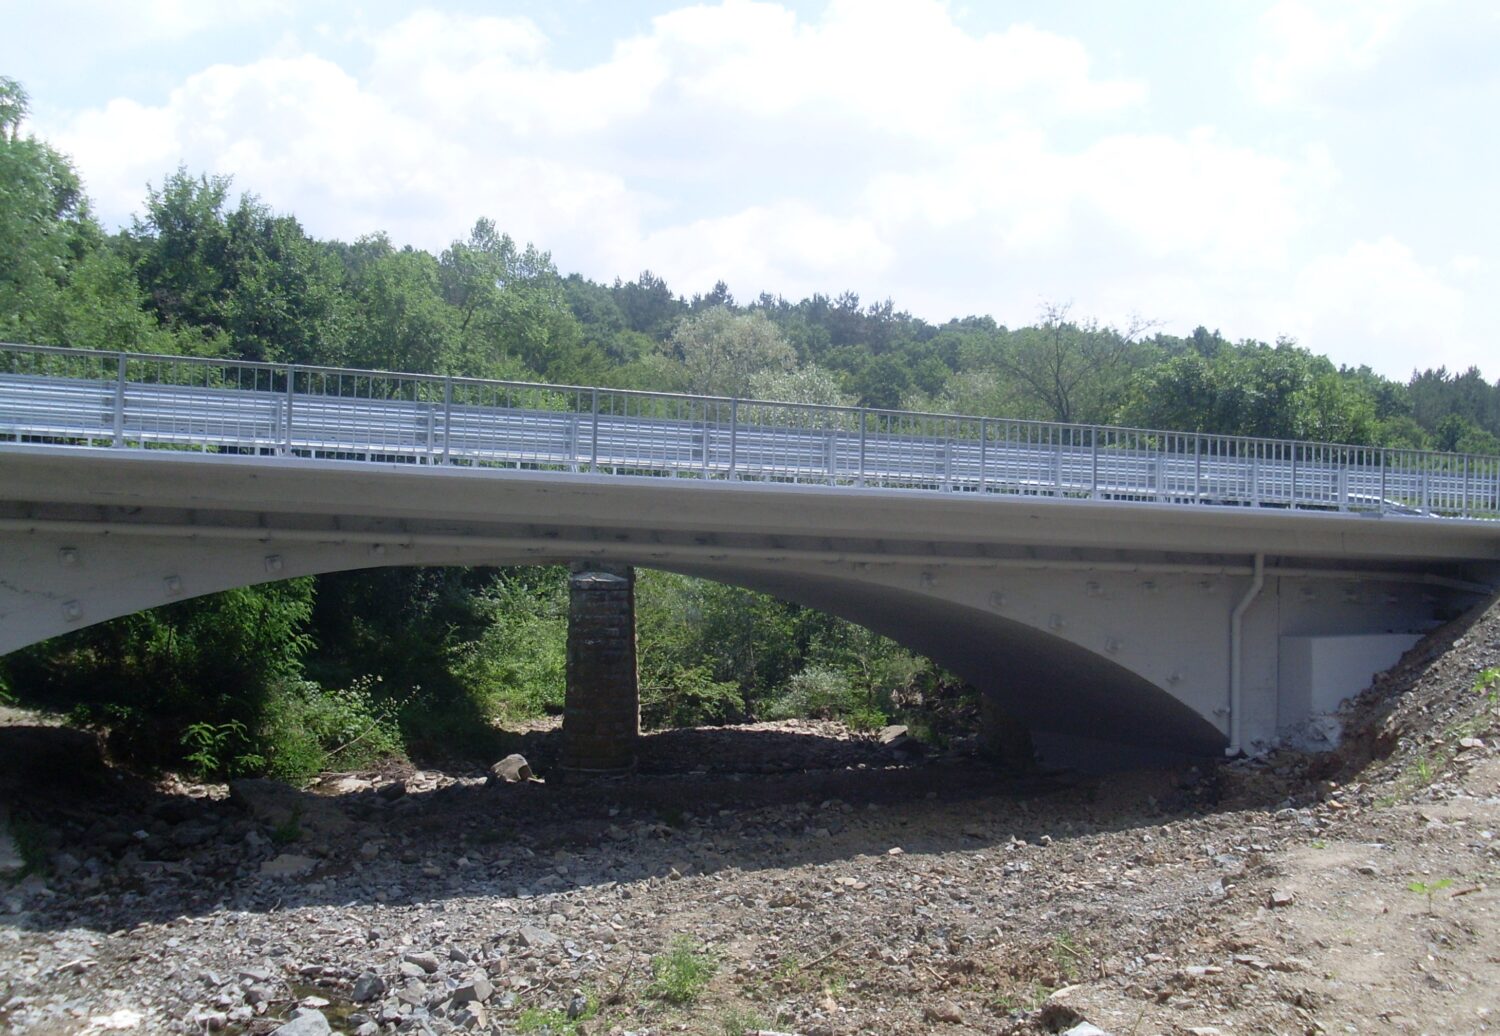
(119, 438)
(734, 434)
(1465, 510)
(448, 419)
(1381, 502)
(1198, 468)
(984, 441)
(291, 379)
(864, 416)
(594, 434)
(1094, 463)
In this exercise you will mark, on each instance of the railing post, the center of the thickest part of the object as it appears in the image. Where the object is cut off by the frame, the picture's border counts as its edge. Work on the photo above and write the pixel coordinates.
(1094, 462)
(734, 434)
(1465, 511)
(864, 415)
(1381, 501)
(120, 402)
(1198, 468)
(1057, 467)
(984, 441)
(447, 418)
(291, 381)
(1426, 487)
(1293, 500)
(594, 432)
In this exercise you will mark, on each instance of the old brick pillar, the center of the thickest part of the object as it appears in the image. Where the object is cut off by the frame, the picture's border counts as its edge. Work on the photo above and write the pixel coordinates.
(602, 708)
(1002, 739)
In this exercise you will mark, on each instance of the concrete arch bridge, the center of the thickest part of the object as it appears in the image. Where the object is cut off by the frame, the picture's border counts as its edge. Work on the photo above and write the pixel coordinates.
(1110, 586)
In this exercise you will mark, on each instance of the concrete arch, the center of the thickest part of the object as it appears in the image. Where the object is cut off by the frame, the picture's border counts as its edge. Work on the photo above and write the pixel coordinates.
(57, 583)
(1086, 618)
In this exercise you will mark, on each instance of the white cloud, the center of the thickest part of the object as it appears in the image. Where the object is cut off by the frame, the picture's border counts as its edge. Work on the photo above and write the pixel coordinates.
(880, 146)
(1322, 47)
(109, 24)
(1376, 303)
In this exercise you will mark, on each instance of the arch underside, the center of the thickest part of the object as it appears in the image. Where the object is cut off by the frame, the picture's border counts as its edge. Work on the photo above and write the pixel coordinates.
(1043, 681)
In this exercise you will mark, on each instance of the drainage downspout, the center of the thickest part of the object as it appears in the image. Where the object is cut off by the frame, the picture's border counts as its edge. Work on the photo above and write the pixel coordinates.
(1236, 667)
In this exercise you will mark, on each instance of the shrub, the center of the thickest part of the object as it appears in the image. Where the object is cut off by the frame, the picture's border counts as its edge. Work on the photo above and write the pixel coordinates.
(690, 697)
(680, 974)
(309, 728)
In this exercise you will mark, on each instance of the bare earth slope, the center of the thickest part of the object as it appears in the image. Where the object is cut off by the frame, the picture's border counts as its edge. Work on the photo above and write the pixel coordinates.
(829, 887)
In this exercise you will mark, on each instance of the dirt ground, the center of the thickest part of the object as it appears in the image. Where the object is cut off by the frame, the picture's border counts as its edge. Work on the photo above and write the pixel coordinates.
(816, 883)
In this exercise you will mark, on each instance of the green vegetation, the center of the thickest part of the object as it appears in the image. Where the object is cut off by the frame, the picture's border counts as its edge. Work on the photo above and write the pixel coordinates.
(681, 973)
(736, 1021)
(339, 669)
(1427, 888)
(555, 1022)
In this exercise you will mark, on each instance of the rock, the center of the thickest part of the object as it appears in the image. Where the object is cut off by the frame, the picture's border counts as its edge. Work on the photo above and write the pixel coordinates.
(305, 1022)
(513, 769)
(11, 862)
(1085, 1029)
(537, 938)
(287, 865)
(428, 962)
(1281, 898)
(476, 990)
(283, 808)
(1470, 742)
(367, 987)
(892, 733)
(392, 791)
(350, 786)
(577, 1007)
(42, 756)
(943, 1011)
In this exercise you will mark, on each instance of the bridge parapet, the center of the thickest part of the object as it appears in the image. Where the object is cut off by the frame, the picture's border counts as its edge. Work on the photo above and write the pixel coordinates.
(233, 407)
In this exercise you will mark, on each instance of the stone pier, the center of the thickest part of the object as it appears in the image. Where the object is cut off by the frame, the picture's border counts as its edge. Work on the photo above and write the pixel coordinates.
(602, 708)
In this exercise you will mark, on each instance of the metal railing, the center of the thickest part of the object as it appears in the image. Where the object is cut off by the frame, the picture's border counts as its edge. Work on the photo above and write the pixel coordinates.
(232, 407)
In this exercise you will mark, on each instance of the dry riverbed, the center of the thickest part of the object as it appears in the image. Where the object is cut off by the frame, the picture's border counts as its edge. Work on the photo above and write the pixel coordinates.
(789, 877)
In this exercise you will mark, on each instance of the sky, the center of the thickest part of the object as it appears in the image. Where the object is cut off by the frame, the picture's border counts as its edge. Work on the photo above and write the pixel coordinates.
(1323, 170)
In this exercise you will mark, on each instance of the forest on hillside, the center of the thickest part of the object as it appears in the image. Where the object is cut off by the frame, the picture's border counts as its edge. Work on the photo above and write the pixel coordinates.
(291, 677)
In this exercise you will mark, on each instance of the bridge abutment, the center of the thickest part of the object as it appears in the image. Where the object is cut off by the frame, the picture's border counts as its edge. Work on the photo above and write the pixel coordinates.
(602, 708)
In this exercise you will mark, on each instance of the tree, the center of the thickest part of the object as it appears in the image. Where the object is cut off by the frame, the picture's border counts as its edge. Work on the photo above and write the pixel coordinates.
(723, 351)
(45, 226)
(14, 107)
(1071, 370)
(399, 320)
(510, 303)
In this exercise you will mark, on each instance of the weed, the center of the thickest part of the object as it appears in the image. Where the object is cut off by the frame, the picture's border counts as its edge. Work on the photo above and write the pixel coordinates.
(220, 749)
(1488, 684)
(1427, 888)
(555, 1022)
(290, 829)
(680, 974)
(31, 842)
(1068, 956)
(737, 1022)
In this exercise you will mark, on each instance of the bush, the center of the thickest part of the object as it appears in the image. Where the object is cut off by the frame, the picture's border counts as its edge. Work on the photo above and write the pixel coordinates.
(680, 974)
(690, 697)
(517, 667)
(179, 685)
(309, 728)
(824, 692)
